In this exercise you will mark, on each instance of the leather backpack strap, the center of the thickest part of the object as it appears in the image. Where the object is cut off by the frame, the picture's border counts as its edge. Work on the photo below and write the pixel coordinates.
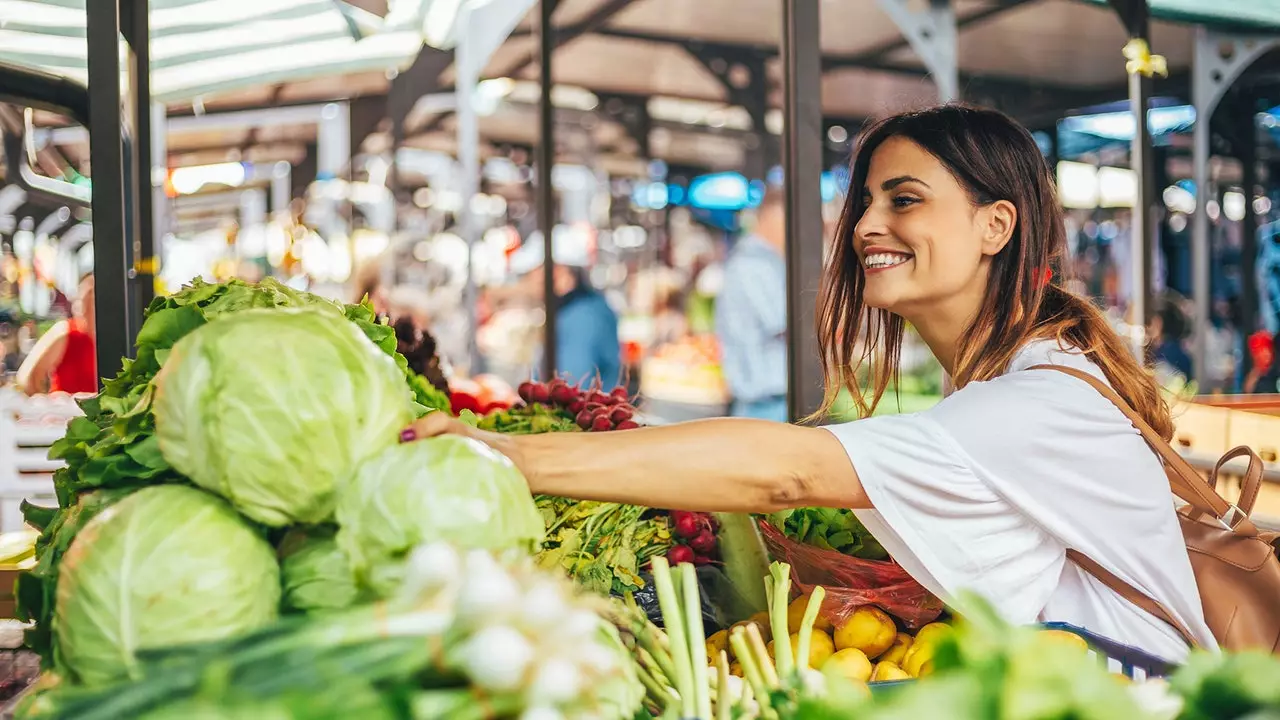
(1184, 479)
(1130, 593)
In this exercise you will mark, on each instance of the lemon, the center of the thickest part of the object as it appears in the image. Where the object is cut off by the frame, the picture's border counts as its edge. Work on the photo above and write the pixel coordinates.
(896, 652)
(1067, 638)
(795, 615)
(820, 648)
(869, 629)
(850, 663)
(888, 672)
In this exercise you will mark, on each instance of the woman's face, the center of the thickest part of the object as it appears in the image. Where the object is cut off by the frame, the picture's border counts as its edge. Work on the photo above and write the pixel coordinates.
(921, 241)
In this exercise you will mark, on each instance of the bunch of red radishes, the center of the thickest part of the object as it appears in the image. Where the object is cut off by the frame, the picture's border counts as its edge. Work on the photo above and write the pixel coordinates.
(591, 408)
(695, 538)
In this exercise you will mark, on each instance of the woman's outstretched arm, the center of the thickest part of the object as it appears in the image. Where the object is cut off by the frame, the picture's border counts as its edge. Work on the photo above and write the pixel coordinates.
(723, 465)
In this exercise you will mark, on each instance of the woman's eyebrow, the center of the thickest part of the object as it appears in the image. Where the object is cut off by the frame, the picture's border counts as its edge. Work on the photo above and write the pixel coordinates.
(892, 183)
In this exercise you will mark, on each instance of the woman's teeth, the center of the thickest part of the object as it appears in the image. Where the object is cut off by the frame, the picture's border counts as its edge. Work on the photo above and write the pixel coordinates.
(884, 260)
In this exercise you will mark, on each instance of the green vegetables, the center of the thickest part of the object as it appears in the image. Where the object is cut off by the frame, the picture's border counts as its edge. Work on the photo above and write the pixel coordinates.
(165, 566)
(113, 449)
(449, 488)
(1215, 686)
(829, 529)
(602, 545)
(315, 574)
(232, 415)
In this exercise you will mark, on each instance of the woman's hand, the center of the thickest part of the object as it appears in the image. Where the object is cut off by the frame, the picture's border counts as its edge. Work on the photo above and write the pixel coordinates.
(435, 424)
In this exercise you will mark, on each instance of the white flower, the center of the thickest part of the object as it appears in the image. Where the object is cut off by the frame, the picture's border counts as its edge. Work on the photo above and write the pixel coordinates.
(488, 594)
(541, 713)
(497, 658)
(545, 606)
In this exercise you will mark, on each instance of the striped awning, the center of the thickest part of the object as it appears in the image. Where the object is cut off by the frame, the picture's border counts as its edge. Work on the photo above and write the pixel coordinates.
(200, 47)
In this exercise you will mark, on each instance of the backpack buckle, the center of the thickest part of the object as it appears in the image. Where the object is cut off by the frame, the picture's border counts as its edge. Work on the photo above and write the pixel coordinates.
(1232, 517)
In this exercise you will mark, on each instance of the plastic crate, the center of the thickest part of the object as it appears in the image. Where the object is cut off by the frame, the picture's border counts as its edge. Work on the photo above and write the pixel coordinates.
(1117, 657)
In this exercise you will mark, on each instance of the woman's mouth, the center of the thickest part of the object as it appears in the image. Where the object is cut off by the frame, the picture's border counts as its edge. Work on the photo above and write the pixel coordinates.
(884, 260)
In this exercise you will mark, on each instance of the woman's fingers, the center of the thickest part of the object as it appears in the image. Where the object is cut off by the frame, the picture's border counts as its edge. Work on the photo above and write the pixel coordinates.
(432, 425)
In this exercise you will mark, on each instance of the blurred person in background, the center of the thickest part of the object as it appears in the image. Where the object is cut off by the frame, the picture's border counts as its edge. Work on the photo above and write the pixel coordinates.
(64, 359)
(751, 316)
(587, 343)
(368, 283)
(1166, 334)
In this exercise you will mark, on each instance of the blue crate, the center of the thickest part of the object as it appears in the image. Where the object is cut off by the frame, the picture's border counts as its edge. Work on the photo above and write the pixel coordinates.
(1118, 657)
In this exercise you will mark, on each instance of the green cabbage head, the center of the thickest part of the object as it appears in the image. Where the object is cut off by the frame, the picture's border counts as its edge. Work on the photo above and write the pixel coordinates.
(167, 565)
(450, 488)
(315, 573)
(272, 409)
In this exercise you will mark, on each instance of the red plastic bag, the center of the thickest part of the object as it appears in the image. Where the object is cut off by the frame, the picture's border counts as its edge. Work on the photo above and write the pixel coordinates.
(853, 582)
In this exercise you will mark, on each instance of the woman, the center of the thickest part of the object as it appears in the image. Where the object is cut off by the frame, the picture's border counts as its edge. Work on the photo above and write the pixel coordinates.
(65, 359)
(951, 225)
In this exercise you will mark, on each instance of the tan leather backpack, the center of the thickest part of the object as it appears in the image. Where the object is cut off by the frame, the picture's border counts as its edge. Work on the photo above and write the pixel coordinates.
(1236, 567)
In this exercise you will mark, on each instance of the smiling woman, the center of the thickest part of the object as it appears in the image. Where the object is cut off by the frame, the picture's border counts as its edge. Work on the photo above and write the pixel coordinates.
(951, 225)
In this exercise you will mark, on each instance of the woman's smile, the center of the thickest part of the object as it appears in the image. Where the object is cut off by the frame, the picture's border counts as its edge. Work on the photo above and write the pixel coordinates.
(877, 259)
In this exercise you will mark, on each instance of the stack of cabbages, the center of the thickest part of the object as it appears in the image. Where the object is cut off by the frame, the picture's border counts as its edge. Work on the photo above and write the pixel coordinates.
(246, 465)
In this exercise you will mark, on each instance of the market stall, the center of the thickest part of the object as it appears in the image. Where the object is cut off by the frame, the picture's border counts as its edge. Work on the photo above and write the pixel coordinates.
(365, 576)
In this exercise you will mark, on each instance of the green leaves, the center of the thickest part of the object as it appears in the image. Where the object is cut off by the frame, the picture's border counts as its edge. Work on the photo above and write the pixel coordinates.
(829, 529)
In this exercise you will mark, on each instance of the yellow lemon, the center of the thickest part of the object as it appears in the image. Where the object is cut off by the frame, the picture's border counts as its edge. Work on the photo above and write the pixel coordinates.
(928, 632)
(850, 663)
(869, 629)
(917, 657)
(820, 648)
(898, 650)
(795, 615)
(888, 672)
(1066, 638)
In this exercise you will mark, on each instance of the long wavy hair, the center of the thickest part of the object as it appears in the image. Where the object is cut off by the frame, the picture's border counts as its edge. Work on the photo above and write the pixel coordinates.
(993, 158)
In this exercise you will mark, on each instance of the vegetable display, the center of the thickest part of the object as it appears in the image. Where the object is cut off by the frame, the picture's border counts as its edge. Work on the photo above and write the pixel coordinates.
(315, 574)
(165, 566)
(447, 488)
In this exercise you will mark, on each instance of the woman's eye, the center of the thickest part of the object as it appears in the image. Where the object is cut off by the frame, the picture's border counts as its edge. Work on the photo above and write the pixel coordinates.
(902, 201)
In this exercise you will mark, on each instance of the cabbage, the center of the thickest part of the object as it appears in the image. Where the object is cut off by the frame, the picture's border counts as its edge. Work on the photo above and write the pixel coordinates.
(451, 489)
(165, 566)
(271, 409)
(316, 574)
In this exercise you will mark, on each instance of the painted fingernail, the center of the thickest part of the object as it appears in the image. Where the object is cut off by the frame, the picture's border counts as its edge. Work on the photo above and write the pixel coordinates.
(408, 435)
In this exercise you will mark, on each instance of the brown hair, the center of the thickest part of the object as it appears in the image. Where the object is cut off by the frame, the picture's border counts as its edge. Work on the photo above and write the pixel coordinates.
(993, 158)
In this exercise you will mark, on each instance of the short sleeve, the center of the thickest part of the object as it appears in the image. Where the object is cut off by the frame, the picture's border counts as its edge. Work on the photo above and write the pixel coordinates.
(943, 523)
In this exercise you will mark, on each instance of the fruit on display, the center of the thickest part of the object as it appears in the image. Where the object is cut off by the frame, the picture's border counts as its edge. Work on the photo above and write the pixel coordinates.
(868, 629)
(850, 663)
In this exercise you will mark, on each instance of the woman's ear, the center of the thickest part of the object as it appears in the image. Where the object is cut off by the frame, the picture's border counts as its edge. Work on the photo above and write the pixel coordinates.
(1001, 218)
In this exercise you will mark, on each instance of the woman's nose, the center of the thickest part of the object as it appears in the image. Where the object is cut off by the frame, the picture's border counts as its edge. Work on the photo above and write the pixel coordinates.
(870, 225)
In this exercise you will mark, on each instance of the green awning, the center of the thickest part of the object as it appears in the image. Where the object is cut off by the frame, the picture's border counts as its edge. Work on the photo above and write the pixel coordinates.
(205, 46)
(1250, 16)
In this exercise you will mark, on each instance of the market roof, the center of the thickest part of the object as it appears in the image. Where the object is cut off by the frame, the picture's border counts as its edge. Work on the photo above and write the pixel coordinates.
(200, 47)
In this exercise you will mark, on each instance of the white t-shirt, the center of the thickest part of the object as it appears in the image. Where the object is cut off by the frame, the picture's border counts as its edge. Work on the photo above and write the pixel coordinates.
(988, 489)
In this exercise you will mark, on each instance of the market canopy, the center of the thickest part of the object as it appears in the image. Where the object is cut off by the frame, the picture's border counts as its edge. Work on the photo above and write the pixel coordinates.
(1231, 15)
(200, 47)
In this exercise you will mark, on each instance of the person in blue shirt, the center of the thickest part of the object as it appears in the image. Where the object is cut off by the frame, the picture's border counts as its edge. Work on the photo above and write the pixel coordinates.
(587, 344)
(751, 316)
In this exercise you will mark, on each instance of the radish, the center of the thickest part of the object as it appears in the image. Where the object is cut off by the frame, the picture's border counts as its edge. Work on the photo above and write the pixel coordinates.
(563, 394)
(539, 392)
(577, 406)
(601, 424)
(684, 523)
(704, 542)
(680, 554)
(627, 425)
(591, 407)
(701, 560)
(619, 414)
(525, 391)
(598, 397)
(621, 394)
(584, 420)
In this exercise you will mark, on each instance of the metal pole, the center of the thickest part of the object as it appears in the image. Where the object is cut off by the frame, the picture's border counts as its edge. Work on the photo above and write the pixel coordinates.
(802, 164)
(138, 33)
(546, 158)
(1200, 239)
(106, 155)
(1248, 154)
(1141, 158)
